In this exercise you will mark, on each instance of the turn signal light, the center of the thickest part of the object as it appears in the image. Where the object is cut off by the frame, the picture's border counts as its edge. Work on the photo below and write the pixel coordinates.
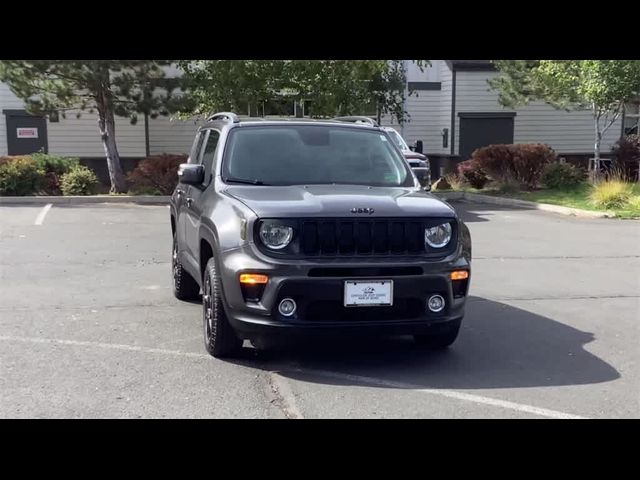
(253, 278)
(459, 275)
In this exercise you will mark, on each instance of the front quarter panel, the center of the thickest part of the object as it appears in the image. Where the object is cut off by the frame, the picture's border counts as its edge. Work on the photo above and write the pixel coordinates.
(223, 221)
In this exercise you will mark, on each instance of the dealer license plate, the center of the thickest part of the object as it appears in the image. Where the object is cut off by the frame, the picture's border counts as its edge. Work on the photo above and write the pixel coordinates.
(368, 293)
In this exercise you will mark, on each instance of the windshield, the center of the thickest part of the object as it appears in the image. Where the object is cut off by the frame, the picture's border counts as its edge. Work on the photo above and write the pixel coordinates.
(313, 154)
(397, 138)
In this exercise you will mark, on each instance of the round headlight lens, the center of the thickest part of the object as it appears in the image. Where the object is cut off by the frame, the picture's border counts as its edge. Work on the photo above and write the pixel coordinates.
(438, 236)
(275, 235)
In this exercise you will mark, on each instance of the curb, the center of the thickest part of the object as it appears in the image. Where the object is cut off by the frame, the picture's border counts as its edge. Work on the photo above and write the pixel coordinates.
(512, 202)
(78, 200)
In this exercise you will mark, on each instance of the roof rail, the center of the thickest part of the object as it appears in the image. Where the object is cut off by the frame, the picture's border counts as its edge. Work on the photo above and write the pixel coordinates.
(358, 119)
(225, 116)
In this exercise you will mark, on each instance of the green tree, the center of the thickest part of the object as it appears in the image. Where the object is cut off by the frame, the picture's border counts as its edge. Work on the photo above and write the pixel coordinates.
(107, 87)
(603, 86)
(334, 87)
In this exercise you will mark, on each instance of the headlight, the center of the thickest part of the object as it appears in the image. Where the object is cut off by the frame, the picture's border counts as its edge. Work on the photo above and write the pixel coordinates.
(275, 235)
(438, 236)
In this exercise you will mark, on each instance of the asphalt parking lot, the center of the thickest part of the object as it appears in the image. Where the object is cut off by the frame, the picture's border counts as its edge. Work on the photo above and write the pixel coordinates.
(89, 329)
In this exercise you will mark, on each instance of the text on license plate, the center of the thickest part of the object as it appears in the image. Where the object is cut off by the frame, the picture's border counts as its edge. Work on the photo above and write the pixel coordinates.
(368, 293)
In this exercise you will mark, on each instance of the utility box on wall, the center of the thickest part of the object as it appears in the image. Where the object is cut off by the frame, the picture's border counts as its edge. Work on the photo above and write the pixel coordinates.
(26, 133)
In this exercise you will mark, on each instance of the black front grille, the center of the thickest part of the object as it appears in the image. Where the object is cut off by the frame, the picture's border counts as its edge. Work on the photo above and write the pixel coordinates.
(377, 236)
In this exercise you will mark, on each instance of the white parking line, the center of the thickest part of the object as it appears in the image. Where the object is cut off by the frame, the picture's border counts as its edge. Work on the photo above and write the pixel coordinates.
(467, 397)
(113, 346)
(42, 214)
(520, 407)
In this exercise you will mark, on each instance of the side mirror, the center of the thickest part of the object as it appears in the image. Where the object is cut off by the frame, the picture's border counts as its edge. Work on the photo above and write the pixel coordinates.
(191, 174)
(418, 146)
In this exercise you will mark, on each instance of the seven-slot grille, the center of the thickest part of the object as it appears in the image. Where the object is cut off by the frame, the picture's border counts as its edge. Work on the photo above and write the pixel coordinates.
(375, 236)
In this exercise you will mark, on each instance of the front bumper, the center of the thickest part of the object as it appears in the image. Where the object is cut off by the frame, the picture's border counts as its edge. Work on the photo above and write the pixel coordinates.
(318, 289)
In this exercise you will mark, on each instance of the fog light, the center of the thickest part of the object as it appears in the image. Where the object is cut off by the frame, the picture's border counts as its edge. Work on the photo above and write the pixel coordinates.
(435, 303)
(287, 307)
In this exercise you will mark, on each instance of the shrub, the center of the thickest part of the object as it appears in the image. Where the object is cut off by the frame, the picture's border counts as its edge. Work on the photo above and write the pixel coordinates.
(80, 180)
(626, 153)
(473, 173)
(611, 194)
(508, 186)
(158, 172)
(562, 175)
(54, 166)
(634, 202)
(455, 181)
(57, 164)
(20, 175)
(524, 163)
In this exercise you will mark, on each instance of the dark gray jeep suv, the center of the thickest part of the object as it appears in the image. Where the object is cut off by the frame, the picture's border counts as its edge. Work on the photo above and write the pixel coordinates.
(308, 227)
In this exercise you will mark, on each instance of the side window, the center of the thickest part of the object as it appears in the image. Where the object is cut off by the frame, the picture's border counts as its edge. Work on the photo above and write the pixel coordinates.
(208, 155)
(194, 157)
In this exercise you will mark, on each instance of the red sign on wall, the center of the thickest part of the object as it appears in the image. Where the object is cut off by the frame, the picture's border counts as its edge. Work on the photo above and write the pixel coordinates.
(27, 133)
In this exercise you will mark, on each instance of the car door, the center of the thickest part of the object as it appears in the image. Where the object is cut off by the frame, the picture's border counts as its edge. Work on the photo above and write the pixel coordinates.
(181, 194)
(193, 202)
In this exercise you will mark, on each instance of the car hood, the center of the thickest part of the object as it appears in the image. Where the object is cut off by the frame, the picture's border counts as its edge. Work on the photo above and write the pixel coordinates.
(411, 155)
(338, 200)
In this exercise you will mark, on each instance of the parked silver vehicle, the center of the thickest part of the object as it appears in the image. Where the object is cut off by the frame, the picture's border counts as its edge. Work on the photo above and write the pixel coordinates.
(418, 161)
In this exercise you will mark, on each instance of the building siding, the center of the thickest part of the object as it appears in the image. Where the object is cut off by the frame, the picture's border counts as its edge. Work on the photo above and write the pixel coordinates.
(79, 137)
(565, 132)
(446, 78)
(168, 135)
(10, 102)
(429, 110)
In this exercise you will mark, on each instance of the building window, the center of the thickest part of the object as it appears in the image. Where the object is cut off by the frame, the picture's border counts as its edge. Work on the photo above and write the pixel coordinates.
(631, 118)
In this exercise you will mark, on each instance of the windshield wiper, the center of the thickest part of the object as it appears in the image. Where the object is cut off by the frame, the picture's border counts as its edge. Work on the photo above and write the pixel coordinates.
(245, 181)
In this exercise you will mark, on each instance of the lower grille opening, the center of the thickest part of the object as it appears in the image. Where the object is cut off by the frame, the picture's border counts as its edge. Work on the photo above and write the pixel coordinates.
(252, 292)
(335, 311)
(364, 272)
(459, 288)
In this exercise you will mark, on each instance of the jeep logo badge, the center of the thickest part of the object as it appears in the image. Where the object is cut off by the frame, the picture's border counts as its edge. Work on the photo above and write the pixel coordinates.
(362, 210)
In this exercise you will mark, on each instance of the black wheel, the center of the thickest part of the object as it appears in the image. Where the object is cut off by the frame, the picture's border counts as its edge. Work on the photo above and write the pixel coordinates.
(440, 340)
(220, 339)
(184, 286)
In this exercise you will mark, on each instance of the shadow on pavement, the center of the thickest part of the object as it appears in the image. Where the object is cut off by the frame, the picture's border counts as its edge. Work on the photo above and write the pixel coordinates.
(499, 346)
(481, 212)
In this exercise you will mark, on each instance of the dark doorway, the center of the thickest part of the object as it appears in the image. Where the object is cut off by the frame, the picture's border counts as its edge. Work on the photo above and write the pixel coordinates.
(481, 129)
(25, 133)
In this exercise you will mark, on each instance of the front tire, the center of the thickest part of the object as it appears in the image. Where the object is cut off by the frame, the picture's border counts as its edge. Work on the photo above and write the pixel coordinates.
(184, 286)
(440, 340)
(220, 339)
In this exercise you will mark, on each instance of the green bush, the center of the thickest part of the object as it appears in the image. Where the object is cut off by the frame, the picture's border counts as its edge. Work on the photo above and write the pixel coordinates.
(562, 175)
(634, 202)
(20, 176)
(57, 164)
(611, 194)
(54, 166)
(80, 180)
